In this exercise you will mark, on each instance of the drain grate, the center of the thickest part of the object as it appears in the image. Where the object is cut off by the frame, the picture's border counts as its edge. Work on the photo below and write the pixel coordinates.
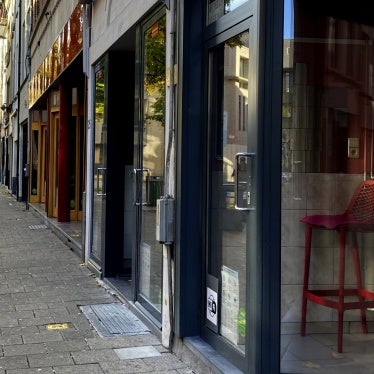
(113, 319)
(37, 227)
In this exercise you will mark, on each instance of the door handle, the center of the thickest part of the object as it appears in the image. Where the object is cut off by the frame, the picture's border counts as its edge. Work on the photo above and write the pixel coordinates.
(138, 199)
(100, 191)
(244, 181)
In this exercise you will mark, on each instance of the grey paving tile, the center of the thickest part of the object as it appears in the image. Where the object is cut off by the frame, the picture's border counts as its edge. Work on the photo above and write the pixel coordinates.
(50, 359)
(11, 339)
(14, 362)
(166, 361)
(42, 337)
(56, 313)
(25, 322)
(23, 349)
(67, 346)
(123, 342)
(185, 371)
(31, 371)
(79, 369)
(19, 330)
(78, 334)
(17, 314)
(8, 321)
(125, 367)
(95, 356)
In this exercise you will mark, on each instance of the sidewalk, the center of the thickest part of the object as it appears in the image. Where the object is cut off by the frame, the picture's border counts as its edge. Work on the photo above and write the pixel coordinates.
(47, 300)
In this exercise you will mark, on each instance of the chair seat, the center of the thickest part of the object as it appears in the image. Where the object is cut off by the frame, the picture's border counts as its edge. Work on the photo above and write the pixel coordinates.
(331, 222)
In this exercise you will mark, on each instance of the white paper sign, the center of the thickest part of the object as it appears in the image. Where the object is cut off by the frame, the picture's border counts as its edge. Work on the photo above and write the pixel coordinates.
(230, 304)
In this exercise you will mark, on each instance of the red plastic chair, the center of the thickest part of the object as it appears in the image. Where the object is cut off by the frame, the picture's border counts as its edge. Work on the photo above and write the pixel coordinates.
(359, 217)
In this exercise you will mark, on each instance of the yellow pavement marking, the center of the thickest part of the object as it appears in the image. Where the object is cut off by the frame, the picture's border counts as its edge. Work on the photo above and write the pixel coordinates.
(57, 326)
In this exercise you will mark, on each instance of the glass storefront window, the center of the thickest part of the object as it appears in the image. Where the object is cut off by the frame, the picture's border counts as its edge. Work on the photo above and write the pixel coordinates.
(152, 178)
(34, 163)
(327, 149)
(100, 164)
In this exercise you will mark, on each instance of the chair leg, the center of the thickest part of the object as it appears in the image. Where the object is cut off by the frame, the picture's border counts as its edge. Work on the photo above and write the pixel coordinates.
(359, 281)
(308, 240)
(341, 287)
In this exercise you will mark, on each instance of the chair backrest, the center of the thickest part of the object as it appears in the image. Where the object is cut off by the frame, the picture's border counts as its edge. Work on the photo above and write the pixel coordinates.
(361, 206)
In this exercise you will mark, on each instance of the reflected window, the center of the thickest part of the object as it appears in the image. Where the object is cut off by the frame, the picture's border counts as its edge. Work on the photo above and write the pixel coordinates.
(327, 149)
(218, 8)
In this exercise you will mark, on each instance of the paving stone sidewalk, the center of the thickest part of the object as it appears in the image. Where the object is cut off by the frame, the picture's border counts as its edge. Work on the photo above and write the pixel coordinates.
(42, 328)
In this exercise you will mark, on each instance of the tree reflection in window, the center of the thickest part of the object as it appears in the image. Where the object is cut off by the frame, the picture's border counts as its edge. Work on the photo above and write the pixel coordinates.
(154, 70)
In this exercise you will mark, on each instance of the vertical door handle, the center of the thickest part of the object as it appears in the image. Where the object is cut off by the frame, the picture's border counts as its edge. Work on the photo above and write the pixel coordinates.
(100, 191)
(244, 181)
(138, 200)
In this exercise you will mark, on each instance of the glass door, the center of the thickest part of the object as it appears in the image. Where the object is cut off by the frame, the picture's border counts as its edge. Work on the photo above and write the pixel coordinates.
(149, 156)
(231, 197)
(100, 164)
(38, 156)
(53, 161)
(76, 168)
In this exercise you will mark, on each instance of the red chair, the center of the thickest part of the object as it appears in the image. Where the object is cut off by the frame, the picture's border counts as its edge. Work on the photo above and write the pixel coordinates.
(359, 217)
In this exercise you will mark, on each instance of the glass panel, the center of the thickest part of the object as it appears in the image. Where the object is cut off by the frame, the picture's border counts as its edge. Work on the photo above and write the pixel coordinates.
(56, 141)
(153, 161)
(327, 149)
(73, 164)
(35, 116)
(81, 163)
(34, 162)
(44, 116)
(43, 162)
(228, 226)
(218, 8)
(99, 163)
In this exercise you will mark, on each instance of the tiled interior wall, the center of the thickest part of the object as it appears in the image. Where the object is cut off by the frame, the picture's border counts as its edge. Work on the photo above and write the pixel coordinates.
(305, 194)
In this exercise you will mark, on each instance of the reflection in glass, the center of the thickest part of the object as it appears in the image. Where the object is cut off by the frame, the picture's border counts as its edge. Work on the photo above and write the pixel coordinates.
(76, 168)
(153, 161)
(99, 163)
(228, 226)
(218, 8)
(327, 149)
(34, 163)
(56, 132)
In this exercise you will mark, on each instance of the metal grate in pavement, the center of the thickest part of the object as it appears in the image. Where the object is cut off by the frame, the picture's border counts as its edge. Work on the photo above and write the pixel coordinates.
(113, 319)
(37, 227)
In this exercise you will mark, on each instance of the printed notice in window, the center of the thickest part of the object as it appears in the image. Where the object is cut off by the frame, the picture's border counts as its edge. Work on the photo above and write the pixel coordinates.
(230, 304)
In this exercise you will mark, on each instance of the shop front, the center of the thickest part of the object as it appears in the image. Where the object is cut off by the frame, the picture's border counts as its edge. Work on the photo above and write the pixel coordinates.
(127, 153)
(279, 109)
(272, 121)
(57, 132)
